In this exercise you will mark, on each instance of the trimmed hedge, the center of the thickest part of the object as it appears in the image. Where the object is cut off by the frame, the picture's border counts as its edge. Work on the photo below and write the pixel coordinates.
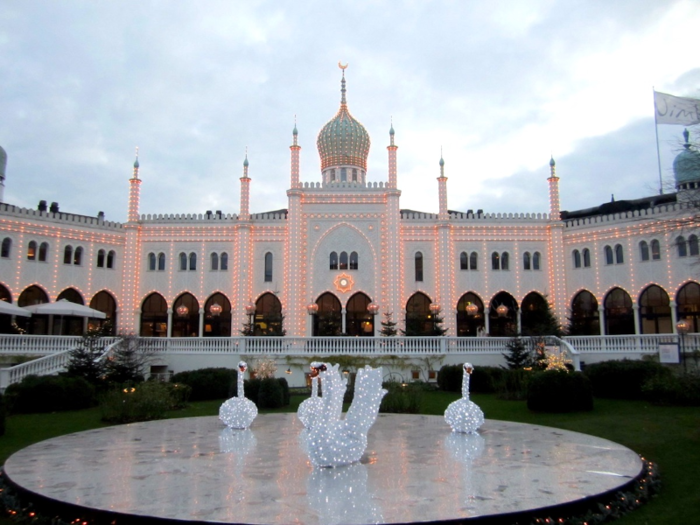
(209, 383)
(50, 394)
(269, 392)
(449, 378)
(402, 398)
(683, 390)
(484, 379)
(558, 391)
(623, 379)
(143, 402)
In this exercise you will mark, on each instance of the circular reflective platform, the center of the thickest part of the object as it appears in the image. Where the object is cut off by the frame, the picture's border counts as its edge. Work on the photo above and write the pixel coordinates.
(414, 470)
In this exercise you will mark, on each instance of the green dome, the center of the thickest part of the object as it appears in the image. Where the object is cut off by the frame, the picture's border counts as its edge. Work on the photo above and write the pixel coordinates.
(686, 166)
(343, 141)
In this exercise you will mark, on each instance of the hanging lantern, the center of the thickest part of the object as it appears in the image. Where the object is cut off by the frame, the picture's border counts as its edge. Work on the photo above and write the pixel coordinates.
(312, 308)
(250, 308)
(434, 308)
(502, 310)
(182, 310)
(683, 326)
(472, 309)
(373, 308)
(215, 309)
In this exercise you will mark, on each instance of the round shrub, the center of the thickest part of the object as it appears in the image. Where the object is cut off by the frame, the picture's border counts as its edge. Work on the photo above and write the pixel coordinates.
(450, 378)
(50, 394)
(557, 391)
(270, 394)
(209, 383)
(286, 396)
(623, 379)
(485, 378)
(402, 398)
(511, 384)
(143, 402)
(251, 388)
(683, 390)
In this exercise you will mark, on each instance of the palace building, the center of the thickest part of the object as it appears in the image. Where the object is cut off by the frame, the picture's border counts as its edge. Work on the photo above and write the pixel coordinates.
(344, 253)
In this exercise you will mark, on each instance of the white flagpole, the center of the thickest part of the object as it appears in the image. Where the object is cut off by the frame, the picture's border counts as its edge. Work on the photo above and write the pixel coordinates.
(658, 152)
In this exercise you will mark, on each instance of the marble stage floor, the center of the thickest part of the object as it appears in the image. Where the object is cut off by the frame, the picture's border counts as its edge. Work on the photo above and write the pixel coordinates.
(414, 470)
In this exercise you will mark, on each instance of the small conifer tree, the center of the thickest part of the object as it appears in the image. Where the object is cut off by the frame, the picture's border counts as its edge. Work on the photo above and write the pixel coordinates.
(388, 326)
(518, 354)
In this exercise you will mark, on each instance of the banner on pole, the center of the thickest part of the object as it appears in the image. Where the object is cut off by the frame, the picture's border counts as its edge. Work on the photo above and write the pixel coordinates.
(676, 110)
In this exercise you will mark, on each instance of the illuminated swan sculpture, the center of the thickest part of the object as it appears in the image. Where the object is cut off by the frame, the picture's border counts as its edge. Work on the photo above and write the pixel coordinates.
(238, 412)
(309, 408)
(463, 415)
(333, 441)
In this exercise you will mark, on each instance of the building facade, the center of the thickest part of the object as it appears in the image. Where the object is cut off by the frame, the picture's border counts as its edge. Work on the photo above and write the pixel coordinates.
(344, 253)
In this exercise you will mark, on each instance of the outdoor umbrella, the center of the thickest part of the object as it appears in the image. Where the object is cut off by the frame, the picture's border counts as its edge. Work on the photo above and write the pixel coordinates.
(11, 309)
(64, 307)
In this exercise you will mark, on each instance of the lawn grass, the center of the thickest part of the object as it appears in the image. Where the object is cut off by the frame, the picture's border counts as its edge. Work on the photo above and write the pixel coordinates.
(668, 436)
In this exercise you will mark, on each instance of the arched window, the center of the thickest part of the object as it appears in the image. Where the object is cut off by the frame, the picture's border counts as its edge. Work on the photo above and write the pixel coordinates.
(655, 311)
(688, 301)
(534, 318)
(358, 321)
(354, 261)
(161, 262)
(354, 175)
(470, 323)
(333, 174)
(418, 266)
(67, 254)
(619, 259)
(655, 250)
(193, 261)
(682, 246)
(36, 324)
(185, 320)
(152, 262)
(111, 256)
(224, 261)
(78, 256)
(586, 258)
(503, 325)
(608, 255)
(343, 174)
(104, 302)
(585, 319)
(536, 260)
(31, 251)
(217, 315)
(495, 261)
(43, 251)
(328, 320)
(526, 261)
(101, 258)
(214, 261)
(504, 261)
(183, 261)
(577, 258)
(268, 316)
(463, 261)
(619, 318)
(268, 267)
(644, 251)
(473, 257)
(418, 316)
(154, 316)
(6, 246)
(693, 245)
(333, 261)
(343, 263)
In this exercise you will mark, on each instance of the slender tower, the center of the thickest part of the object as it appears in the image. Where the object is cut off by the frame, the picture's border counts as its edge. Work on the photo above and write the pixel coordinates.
(443, 255)
(557, 284)
(243, 286)
(3, 166)
(295, 247)
(391, 241)
(129, 319)
(295, 148)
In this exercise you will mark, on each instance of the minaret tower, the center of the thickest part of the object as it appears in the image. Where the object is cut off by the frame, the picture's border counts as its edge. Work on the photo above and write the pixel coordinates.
(129, 317)
(295, 156)
(442, 188)
(3, 166)
(243, 259)
(444, 256)
(244, 213)
(392, 157)
(391, 242)
(557, 283)
(295, 248)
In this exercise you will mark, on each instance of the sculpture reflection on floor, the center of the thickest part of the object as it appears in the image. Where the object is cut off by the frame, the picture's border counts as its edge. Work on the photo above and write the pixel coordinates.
(238, 412)
(464, 415)
(333, 441)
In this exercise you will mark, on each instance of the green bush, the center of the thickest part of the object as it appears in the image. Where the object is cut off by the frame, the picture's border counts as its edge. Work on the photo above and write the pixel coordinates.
(558, 391)
(270, 394)
(402, 398)
(3, 414)
(485, 378)
(623, 379)
(450, 378)
(180, 394)
(143, 402)
(286, 395)
(50, 394)
(511, 384)
(681, 390)
(209, 383)
(251, 388)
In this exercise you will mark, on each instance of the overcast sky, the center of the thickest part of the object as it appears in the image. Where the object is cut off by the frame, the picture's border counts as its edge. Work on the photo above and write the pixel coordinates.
(499, 86)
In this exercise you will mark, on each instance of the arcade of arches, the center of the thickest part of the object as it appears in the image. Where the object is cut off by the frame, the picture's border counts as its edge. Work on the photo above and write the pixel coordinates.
(617, 313)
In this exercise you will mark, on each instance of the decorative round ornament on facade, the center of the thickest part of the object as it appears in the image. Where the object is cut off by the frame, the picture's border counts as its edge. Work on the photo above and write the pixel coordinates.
(344, 283)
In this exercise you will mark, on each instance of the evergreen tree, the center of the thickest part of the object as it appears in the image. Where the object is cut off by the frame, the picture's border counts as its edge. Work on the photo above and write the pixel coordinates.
(248, 328)
(437, 330)
(518, 355)
(388, 326)
(541, 321)
(84, 361)
(128, 360)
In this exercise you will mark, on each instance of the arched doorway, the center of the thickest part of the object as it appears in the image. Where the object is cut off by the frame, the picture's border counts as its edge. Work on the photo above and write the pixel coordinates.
(104, 302)
(535, 318)
(154, 316)
(328, 321)
(69, 324)
(619, 317)
(185, 316)
(688, 305)
(268, 316)
(5, 319)
(585, 318)
(217, 316)
(419, 320)
(36, 324)
(470, 315)
(655, 311)
(503, 322)
(358, 321)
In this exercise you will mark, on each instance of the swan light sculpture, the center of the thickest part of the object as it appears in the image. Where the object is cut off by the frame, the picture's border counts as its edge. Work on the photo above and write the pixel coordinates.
(238, 412)
(464, 415)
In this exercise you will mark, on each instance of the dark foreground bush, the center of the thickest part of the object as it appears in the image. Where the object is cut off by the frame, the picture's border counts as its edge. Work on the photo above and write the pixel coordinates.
(681, 390)
(286, 395)
(450, 378)
(209, 383)
(267, 392)
(557, 391)
(3, 414)
(49, 394)
(623, 379)
(484, 379)
(402, 398)
(512, 384)
(143, 402)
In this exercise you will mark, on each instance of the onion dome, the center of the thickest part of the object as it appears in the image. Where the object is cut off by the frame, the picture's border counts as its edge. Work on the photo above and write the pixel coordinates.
(3, 163)
(686, 166)
(343, 141)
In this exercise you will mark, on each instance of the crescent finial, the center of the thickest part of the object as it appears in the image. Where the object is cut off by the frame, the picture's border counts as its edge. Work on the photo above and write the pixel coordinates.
(341, 66)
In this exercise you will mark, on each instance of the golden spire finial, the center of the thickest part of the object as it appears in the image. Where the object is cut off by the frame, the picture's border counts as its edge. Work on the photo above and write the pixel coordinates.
(341, 66)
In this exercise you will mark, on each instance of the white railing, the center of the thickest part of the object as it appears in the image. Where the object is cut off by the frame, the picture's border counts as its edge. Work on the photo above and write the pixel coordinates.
(628, 344)
(37, 344)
